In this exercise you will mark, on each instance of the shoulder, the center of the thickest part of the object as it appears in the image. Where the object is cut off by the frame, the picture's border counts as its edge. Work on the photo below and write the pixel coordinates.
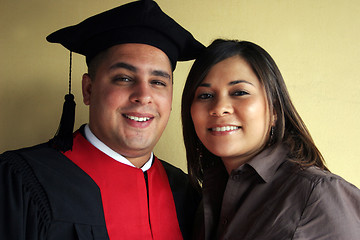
(22, 185)
(178, 180)
(172, 171)
(26, 151)
(185, 197)
(321, 179)
(321, 189)
(332, 205)
(22, 163)
(180, 183)
(28, 161)
(313, 176)
(16, 159)
(332, 189)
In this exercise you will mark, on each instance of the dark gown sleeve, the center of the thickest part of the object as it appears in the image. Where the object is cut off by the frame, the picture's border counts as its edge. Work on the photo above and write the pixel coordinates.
(23, 209)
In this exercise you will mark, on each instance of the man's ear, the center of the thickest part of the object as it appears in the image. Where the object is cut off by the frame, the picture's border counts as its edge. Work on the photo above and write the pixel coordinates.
(86, 88)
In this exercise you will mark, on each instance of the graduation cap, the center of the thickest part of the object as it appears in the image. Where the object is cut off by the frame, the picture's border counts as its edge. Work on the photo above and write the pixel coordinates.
(135, 22)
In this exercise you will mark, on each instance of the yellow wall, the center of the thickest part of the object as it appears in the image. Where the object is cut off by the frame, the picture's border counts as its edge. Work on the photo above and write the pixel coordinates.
(315, 43)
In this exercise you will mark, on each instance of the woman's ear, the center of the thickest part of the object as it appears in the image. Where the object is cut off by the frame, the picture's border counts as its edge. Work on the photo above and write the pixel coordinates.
(86, 88)
(273, 118)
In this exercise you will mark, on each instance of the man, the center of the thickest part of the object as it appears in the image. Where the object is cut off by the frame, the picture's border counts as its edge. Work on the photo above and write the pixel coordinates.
(104, 182)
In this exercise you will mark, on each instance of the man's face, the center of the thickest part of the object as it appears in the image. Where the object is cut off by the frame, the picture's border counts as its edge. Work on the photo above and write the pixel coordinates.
(130, 99)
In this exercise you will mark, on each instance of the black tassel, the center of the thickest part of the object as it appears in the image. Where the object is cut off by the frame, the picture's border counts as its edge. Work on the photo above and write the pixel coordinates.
(63, 139)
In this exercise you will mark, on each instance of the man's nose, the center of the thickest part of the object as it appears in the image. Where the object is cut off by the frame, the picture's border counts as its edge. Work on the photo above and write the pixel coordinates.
(142, 93)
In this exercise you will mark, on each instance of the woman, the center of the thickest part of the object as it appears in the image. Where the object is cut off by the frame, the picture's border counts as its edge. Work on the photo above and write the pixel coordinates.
(262, 176)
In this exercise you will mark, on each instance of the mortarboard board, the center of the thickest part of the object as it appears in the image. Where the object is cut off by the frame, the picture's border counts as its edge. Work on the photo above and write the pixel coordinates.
(135, 22)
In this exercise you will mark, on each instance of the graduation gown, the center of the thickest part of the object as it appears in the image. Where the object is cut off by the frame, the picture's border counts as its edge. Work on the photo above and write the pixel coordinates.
(45, 195)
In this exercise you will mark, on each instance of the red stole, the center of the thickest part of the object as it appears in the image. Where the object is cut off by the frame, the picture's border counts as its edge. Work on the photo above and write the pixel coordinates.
(128, 215)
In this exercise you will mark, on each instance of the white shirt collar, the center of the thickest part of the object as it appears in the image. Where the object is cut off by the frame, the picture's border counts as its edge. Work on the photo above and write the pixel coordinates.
(111, 153)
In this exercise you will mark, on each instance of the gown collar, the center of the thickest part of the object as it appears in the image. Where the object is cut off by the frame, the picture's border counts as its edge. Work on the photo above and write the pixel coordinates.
(111, 153)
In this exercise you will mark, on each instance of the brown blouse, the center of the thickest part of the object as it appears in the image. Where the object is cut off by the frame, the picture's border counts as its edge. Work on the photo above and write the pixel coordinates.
(270, 197)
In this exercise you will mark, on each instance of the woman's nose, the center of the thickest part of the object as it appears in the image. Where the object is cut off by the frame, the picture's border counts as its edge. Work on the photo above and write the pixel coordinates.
(221, 107)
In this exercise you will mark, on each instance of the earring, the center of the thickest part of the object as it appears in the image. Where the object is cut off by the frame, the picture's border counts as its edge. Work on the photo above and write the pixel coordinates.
(199, 150)
(271, 137)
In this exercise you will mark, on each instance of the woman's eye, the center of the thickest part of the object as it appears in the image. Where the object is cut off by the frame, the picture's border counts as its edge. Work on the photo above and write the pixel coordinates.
(240, 93)
(205, 96)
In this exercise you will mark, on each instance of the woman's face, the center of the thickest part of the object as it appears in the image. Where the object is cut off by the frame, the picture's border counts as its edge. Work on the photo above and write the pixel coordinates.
(230, 112)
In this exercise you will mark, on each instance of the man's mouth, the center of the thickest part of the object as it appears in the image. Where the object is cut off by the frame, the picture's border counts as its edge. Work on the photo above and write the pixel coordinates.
(137, 119)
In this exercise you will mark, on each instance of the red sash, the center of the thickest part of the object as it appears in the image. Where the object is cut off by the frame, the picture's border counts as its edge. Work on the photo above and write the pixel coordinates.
(129, 214)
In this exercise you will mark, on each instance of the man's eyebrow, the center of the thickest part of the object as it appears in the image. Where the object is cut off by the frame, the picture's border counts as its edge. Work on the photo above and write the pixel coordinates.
(160, 73)
(132, 68)
(124, 65)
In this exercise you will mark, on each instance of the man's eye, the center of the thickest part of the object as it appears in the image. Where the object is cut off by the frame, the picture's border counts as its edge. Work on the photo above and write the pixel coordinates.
(124, 79)
(120, 79)
(159, 83)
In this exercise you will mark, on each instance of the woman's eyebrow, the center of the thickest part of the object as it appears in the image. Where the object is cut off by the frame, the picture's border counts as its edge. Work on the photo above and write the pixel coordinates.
(239, 81)
(205, 85)
(230, 83)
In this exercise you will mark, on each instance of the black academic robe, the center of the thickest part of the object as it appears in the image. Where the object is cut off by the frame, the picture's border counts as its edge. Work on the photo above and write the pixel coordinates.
(44, 195)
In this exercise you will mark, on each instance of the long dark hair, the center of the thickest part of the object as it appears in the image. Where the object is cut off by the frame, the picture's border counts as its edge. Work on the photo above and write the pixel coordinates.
(289, 127)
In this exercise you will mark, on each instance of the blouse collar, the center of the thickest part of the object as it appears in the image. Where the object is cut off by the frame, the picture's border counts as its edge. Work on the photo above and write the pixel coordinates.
(266, 162)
